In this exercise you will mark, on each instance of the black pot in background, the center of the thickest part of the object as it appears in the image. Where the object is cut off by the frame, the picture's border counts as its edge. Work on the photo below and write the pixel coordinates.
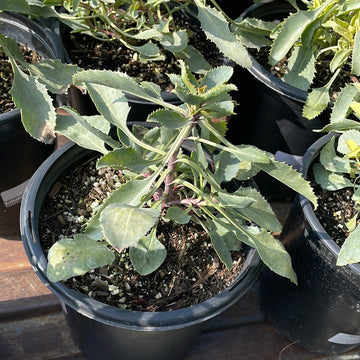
(269, 114)
(103, 331)
(270, 110)
(322, 312)
(21, 154)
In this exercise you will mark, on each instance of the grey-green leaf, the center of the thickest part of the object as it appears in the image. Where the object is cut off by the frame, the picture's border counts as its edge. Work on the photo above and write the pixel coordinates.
(290, 177)
(217, 30)
(178, 215)
(328, 180)
(148, 254)
(129, 193)
(75, 128)
(124, 158)
(316, 102)
(123, 225)
(217, 235)
(350, 250)
(168, 119)
(259, 211)
(37, 110)
(273, 254)
(73, 257)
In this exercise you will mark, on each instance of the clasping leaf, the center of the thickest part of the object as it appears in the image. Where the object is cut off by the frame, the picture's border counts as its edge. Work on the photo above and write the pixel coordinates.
(124, 225)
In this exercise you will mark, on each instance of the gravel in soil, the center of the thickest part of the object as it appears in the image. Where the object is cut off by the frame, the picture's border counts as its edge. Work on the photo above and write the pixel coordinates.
(191, 273)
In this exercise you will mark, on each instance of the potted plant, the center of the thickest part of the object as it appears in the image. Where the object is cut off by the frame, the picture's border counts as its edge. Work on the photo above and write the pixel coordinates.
(320, 313)
(144, 40)
(165, 183)
(26, 153)
(302, 55)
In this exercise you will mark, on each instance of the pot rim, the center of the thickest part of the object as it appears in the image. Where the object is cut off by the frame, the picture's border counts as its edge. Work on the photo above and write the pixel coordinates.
(259, 72)
(40, 32)
(38, 187)
(308, 209)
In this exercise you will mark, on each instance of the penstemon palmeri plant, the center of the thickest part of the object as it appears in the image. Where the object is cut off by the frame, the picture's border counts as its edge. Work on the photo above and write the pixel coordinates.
(147, 27)
(166, 183)
(320, 38)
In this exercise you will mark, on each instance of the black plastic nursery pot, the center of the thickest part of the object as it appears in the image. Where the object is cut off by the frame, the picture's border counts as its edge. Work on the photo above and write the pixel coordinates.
(105, 332)
(322, 312)
(21, 154)
(270, 111)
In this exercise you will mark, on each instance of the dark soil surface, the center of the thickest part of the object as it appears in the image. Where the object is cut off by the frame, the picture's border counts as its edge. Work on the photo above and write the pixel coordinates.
(191, 273)
(335, 208)
(90, 53)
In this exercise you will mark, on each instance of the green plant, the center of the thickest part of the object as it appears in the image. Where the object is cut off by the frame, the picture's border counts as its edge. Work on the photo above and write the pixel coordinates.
(164, 181)
(339, 163)
(321, 40)
(147, 27)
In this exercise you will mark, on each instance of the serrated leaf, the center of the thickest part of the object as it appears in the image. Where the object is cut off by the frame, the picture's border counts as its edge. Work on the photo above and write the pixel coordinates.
(74, 127)
(168, 118)
(124, 158)
(111, 103)
(219, 110)
(98, 122)
(252, 33)
(259, 211)
(235, 201)
(329, 180)
(316, 102)
(339, 59)
(331, 161)
(184, 95)
(11, 48)
(37, 110)
(342, 103)
(301, 68)
(194, 60)
(226, 166)
(74, 257)
(148, 51)
(175, 41)
(123, 225)
(290, 177)
(148, 254)
(339, 126)
(250, 153)
(56, 75)
(119, 81)
(273, 254)
(350, 250)
(217, 76)
(291, 30)
(217, 30)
